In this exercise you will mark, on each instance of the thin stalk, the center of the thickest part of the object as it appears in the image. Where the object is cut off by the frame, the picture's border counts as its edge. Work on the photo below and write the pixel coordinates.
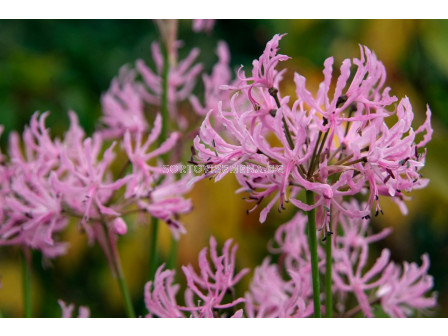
(316, 156)
(273, 92)
(26, 281)
(125, 292)
(119, 273)
(172, 260)
(312, 241)
(328, 276)
(310, 168)
(153, 258)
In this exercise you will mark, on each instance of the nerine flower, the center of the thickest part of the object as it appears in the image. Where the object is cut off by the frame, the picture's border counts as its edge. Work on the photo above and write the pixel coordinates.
(31, 207)
(405, 289)
(154, 188)
(123, 107)
(271, 296)
(213, 91)
(181, 79)
(399, 292)
(336, 147)
(206, 292)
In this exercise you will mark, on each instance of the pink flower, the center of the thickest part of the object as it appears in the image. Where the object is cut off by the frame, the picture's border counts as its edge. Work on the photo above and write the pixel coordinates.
(221, 75)
(89, 186)
(154, 188)
(399, 293)
(405, 290)
(67, 310)
(271, 296)
(264, 74)
(336, 147)
(181, 80)
(205, 291)
(31, 207)
(145, 176)
(123, 108)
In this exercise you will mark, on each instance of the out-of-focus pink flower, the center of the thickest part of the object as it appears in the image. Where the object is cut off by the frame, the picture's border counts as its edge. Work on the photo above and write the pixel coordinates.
(88, 186)
(154, 188)
(272, 296)
(405, 290)
(204, 25)
(400, 293)
(123, 108)
(205, 290)
(181, 80)
(67, 310)
(221, 75)
(31, 207)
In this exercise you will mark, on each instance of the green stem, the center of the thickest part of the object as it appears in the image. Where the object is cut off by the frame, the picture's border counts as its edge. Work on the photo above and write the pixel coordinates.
(119, 273)
(172, 260)
(153, 258)
(328, 276)
(273, 92)
(312, 241)
(125, 292)
(26, 277)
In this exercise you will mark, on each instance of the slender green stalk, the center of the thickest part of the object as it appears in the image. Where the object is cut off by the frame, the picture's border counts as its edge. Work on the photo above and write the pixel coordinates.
(26, 281)
(172, 260)
(119, 273)
(312, 241)
(153, 259)
(125, 292)
(328, 276)
(273, 92)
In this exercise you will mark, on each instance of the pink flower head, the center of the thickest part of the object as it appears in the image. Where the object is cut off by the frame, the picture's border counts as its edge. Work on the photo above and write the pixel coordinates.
(405, 290)
(264, 74)
(400, 293)
(205, 290)
(88, 186)
(31, 207)
(123, 108)
(154, 188)
(271, 296)
(181, 80)
(221, 75)
(67, 310)
(145, 176)
(337, 148)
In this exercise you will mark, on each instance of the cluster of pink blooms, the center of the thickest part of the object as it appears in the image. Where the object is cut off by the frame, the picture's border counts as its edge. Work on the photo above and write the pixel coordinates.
(399, 291)
(45, 181)
(337, 145)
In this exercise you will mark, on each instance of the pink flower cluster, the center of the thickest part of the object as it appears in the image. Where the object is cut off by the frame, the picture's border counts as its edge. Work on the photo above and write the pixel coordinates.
(335, 146)
(207, 291)
(51, 180)
(284, 289)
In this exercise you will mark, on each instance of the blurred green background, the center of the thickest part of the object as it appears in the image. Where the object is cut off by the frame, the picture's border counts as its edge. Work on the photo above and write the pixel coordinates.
(68, 64)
